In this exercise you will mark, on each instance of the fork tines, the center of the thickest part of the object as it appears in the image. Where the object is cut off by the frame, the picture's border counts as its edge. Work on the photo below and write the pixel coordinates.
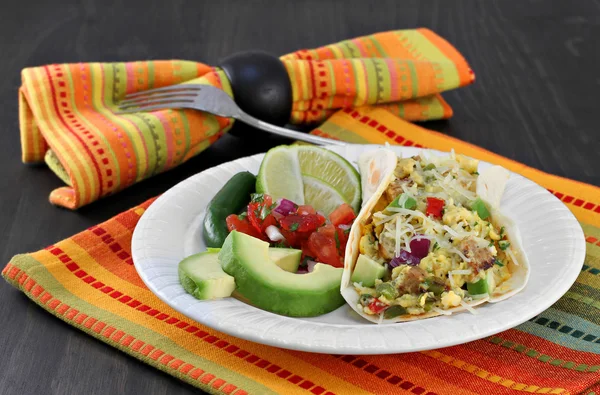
(178, 96)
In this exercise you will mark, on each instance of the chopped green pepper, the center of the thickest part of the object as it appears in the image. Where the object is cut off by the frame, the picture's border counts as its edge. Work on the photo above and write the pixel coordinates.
(478, 288)
(479, 206)
(387, 290)
(409, 202)
(365, 299)
(504, 244)
(394, 311)
(434, 287)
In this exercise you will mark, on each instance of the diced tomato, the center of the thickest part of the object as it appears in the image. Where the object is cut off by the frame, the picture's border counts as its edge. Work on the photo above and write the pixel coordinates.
(376, 306)
(343, 239)
(343, 215)
(325, 249)
(258, 209)
(269, 220)
(243, 226)
(302, 223)
(435, 207)
(328, 230)
(291, 238)
(305, 209)
(306, 250)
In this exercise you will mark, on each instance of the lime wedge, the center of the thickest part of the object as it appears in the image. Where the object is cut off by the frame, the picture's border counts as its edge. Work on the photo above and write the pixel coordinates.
(332, 169)
(322, 196)
(279, 175)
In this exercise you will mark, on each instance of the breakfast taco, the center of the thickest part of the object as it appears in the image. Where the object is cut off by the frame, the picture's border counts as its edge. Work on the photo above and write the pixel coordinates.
(430, 240)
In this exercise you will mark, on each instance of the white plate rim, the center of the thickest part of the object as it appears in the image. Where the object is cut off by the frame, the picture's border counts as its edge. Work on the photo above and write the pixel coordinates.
(156, 271)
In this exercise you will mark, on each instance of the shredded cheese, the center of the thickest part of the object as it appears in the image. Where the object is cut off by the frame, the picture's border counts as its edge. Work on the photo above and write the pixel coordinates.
(460, 272)
(469, 308)
(442, 312)
(512, 256)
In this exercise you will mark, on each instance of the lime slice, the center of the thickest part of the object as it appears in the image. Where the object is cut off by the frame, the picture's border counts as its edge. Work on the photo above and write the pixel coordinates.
(332, 169)
(322, 196)
(279, 175)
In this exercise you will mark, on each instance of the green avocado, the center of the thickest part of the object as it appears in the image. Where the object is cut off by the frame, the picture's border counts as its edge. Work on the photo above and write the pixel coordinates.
(202, 276)
(484, 286)
(366, 271)
(286, 258)
(269, 287)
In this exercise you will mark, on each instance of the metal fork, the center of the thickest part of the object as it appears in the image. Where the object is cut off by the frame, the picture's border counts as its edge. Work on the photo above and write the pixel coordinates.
(209, 99)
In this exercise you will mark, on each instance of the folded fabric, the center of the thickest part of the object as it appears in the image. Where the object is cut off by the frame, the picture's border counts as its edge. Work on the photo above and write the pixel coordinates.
(89, 282)
(68, 119)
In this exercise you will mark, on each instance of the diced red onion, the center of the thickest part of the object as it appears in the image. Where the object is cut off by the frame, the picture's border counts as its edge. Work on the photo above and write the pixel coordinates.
(302, 271)
(419, 247)
(273, 233)
(285, 207)
(310, 265)
(344, 227)
(404, 258)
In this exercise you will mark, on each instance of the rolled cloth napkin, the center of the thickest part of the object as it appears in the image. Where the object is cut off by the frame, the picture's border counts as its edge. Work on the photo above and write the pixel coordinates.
(89, 282)
(68, 119)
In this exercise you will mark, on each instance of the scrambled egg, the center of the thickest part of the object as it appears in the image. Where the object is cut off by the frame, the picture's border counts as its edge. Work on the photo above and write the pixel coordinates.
(454, 215)
(468, 164)
(405, 167)
(450, 299)
(436, 263)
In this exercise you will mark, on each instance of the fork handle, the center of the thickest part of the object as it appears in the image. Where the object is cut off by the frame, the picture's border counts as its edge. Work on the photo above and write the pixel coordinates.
(267, 127)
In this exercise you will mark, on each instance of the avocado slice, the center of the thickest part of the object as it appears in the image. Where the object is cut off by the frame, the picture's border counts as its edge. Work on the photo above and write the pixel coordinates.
(286, 258)
(271, 288)
(367, 271)
(484, 286)
(202, 276)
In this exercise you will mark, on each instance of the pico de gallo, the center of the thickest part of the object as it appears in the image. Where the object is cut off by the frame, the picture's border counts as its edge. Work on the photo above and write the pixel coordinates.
(284, 223)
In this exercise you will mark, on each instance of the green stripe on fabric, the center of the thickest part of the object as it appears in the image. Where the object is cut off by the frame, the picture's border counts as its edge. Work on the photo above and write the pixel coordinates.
(150, 74)
(581, 310)
(382, 53)
(54, 164)
(46, 280)
(351, 50)
(585, 294)
(565, 329)
(583, 299)
(532, 353)
(371, 75)
(384, 83)
(413, 78)
(147, 129)
(341, 133)
(186, 132)
(434, 109)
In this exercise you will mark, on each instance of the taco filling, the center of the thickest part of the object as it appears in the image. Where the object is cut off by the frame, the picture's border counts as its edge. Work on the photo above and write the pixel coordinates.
(434, 240)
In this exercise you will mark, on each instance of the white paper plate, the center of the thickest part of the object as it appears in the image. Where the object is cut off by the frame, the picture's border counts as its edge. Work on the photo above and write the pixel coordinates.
(170, 230)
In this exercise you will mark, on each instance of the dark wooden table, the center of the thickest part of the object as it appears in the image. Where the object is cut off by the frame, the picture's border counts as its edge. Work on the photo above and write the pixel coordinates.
(535, 101)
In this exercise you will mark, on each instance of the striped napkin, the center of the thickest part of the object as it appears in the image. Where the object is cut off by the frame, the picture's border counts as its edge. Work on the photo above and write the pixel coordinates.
(68, 119)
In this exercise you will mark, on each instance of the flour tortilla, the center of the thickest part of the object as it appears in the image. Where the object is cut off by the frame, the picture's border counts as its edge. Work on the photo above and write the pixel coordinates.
(377, 172)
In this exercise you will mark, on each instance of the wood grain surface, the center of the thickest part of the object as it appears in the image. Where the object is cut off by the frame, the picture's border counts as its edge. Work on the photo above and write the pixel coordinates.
(534, 101)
